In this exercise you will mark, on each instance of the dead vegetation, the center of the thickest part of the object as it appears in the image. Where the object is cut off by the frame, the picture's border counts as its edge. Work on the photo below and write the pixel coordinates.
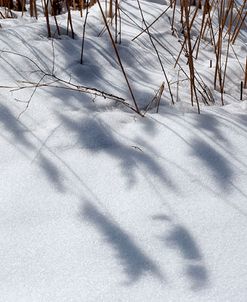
(214, 23)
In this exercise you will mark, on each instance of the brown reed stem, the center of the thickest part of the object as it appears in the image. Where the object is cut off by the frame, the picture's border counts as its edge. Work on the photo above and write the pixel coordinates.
(156, 51)
(118, 58)
(84, 32)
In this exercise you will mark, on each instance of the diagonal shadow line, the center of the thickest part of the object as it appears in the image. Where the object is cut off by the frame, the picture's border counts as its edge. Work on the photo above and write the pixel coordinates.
(181, 239)
(214, 141)
(96, 136)
(14, 127)
(193, 265)
(214, 161)
(135, 262)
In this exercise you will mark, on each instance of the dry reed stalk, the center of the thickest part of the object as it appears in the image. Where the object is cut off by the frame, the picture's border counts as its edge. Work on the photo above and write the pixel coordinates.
(84, 31)
(241, 90)
(1, 14)
(119, 59)
(227, 52)
(190, 56)
(245, 77)
(212, 8)
(151, 24)
(206, 10)
(185, 38)
(23, 6)
(230, 26)
(81, 7)
(218, 65)
(57, 26)
(120, 25)
(173, 14)
(194, 16)
(110, 15)
(180, 52)
(238, 29)
(116, 20)
(54, 12)
(161, 90)
(69, 21)
(211, 30)
(178, 84)
(231, 19)
(156, 99)
(203, 92)
(237, 58)
(33, 9)
(239, 22)
(47, 18)
(156, 51)
(229, 10)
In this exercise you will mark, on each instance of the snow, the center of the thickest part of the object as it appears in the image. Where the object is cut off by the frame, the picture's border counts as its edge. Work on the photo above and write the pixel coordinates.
(100, 204)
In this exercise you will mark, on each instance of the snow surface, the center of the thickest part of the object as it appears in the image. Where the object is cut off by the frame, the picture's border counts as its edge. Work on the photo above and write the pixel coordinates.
(99, 204)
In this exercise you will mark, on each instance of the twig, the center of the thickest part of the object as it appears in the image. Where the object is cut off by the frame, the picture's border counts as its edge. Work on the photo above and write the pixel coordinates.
(65, 85)
(31, 96)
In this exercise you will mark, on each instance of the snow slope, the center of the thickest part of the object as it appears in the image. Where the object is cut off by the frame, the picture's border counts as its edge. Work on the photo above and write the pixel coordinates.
(99, 204)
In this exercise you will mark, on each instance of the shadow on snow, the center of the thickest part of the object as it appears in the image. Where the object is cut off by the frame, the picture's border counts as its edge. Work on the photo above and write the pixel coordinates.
(133, 260)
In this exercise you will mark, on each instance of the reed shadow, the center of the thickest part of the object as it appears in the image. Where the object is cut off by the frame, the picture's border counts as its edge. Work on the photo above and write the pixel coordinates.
(214, 161)
(94, 135)
(17, 131)
(181, 240)
(135, 263)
